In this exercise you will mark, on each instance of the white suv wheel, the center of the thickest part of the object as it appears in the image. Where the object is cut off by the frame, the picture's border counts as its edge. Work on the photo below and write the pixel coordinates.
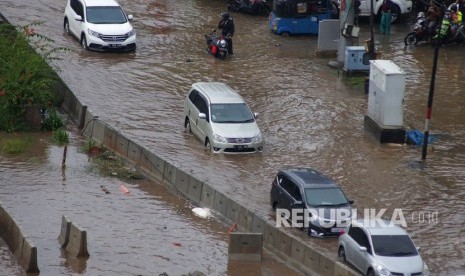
(84, 42)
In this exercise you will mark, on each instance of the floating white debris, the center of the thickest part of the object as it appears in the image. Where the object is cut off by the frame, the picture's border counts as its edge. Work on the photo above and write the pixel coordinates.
(202, 212)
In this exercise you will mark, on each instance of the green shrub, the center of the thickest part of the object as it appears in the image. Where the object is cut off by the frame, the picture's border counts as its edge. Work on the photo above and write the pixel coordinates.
(60, 137)
(51, 120)
(25, 76)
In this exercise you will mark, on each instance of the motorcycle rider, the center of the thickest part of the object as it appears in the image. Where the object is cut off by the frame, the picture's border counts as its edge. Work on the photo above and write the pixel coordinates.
(226, 25)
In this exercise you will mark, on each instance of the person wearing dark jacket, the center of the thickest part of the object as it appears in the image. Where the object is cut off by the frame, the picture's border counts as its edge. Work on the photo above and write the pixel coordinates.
(226, 25)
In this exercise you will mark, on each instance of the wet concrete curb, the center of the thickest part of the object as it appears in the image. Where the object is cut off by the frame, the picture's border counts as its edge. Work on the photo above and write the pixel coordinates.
(20, 245)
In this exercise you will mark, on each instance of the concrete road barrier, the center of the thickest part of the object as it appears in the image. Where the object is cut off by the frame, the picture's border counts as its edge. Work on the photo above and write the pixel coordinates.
(21, 247)
(28, 256)
(194, 190)
(134, 153)
(207, 198)
(122, 145)
(182, 181)
(63, 238)
(245, 247)
(77, 244)
(221, 203)
(326, 266)
(258, 224)
(245, 219)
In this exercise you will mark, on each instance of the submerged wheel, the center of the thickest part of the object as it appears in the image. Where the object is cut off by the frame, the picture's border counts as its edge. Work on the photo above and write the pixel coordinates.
(370, 272)
(395, 14)
(187, 125)
(208, 145)
(66, 26)
(84, 42)
(342, 254)
(411, 39)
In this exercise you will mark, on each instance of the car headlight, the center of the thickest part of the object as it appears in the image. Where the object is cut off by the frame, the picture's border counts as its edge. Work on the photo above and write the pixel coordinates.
(93, 33)
(219, 138)
(131, 33)
(222, 43)
(425, 270)
(257, 138)
(383, 271)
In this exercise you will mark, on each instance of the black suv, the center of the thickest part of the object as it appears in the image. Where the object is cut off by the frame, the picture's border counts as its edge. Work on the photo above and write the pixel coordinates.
(315, 196)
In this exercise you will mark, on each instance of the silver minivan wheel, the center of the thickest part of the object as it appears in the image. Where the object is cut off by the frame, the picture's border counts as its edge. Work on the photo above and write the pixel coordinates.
(208, 145)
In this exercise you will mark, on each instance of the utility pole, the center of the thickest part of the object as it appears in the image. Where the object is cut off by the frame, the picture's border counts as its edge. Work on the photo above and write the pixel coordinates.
(346, 15)
(429, 108)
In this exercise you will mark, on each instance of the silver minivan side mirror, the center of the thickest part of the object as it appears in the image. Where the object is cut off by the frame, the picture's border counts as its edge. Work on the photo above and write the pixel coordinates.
(78, 18)
(130, 17)
(202, 116)
(363, 249)
(255, 115)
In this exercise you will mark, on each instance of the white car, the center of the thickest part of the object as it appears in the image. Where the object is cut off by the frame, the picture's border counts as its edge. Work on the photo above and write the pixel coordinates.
(399, 7)
(377, 248)
(99, 25)
(221, 119)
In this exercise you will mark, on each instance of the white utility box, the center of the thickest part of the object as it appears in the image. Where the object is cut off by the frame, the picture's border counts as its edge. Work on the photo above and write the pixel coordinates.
(353, 59)
(386, 94)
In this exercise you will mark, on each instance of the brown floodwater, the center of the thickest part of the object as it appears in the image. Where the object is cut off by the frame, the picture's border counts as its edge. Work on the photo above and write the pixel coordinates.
(148, 231)
(310, 115)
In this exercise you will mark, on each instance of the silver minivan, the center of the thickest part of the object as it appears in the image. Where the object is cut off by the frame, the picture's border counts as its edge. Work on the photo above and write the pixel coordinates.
(221, 119)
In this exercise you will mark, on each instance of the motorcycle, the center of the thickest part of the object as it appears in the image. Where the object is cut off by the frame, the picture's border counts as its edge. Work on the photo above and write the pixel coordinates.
(217, 45)
(257, 7)
(449, 32)
(421, 31)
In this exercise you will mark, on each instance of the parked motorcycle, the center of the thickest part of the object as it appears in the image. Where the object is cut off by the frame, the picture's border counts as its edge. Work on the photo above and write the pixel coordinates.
(253, 7)
(422, 31)
(217, 45)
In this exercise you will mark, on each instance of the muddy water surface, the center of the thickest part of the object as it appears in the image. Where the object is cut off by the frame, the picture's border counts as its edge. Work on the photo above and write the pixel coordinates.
(309, 114)
(147, 231)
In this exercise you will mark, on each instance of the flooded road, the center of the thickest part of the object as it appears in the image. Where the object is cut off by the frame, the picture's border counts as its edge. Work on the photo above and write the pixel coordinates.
(149, 231)
(310, 116)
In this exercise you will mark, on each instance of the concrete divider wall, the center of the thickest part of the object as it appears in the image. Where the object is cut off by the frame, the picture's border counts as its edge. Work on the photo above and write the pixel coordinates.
(77, 241)
(63, 238)
(20, 245)
(281, 243)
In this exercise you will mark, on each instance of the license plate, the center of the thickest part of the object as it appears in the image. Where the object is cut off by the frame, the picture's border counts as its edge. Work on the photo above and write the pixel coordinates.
(337, 230)
(115, 45)
(240, 146)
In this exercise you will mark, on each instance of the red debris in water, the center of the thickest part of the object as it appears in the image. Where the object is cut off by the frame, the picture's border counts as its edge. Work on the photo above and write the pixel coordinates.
(177, 243)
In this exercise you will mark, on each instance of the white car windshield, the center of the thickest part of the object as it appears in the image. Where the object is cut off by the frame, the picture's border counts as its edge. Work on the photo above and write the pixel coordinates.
(231, 113)
(105, 15)
(325, 197)
(393, 245)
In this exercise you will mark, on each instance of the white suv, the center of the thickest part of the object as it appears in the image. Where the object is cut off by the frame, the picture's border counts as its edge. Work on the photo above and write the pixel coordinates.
(99, 25)
(399, 7)
(221, 119)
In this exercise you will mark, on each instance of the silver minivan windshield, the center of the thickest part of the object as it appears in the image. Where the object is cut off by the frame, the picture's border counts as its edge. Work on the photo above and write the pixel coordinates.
(231, 113)
(105, 15)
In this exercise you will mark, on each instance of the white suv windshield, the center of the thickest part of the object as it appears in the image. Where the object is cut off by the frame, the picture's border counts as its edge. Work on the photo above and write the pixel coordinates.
(105, 15)
(231, 113)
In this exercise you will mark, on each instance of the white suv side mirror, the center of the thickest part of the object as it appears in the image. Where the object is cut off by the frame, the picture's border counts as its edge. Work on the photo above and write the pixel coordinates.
(78, 18)
(255, 114)
(130, 17)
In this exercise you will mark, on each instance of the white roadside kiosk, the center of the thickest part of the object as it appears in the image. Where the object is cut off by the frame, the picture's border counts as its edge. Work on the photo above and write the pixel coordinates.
(384, 119)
